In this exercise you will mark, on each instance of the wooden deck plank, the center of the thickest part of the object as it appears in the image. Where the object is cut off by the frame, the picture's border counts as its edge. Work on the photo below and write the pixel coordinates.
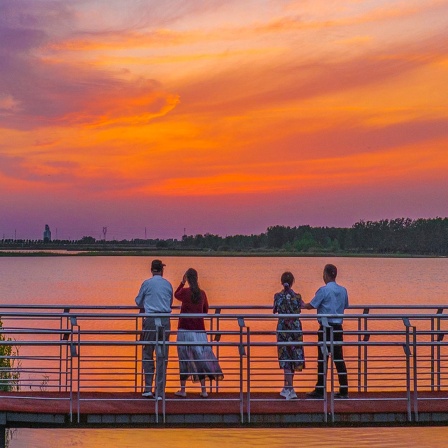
(266, 408)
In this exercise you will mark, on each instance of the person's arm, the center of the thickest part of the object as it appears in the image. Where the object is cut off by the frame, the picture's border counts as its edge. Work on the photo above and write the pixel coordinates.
(205, 307)
(307, 306)
(297, 304)
(140, 299)
(172, 296)
(179, 291)
(275, 308)
(315, 302)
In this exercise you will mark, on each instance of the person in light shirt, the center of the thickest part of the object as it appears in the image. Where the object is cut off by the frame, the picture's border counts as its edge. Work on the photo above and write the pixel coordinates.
(155, 297)
(330, 299)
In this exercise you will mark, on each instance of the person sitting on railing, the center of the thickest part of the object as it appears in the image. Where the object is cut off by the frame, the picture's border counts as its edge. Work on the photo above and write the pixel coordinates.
(196, 361)
(330, 299)
(289, 330)
(155, 296)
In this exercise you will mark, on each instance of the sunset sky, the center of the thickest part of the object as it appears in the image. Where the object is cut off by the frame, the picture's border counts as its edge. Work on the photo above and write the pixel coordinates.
(223, 117)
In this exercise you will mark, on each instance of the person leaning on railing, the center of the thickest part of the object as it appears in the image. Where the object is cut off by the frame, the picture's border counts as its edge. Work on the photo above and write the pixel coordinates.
(155, 296)
(330, 299)
(289, 331)
(195, 360)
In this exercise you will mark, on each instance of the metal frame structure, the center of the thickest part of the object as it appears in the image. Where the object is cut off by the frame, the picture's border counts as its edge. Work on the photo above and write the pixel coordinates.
(71, 350)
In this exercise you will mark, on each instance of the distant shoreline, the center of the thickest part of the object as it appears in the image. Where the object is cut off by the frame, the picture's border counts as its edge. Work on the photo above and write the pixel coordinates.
(195, 253)
(396, 238)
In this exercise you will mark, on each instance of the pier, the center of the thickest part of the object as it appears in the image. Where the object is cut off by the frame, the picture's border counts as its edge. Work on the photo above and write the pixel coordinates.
(81, 367)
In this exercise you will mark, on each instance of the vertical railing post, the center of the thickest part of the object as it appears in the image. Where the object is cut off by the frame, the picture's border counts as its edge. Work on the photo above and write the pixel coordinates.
(324, 350)
(158, 324)
(407, 351)
(75, 374)
(365, 361)
(217, 338)
(136, 356)
(69, 367)
(432, 362)
(165, 372)
(63, 358)
(438, 351)
(331, 373)
(242, 353)
(248, 377)
(359, 350)
(415, 376)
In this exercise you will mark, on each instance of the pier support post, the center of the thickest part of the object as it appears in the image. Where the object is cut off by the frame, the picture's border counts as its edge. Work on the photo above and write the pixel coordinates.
(3, 430)
(3, 436)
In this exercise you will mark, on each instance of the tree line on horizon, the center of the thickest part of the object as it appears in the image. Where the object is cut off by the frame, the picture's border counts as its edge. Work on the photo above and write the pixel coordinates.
(395, 236)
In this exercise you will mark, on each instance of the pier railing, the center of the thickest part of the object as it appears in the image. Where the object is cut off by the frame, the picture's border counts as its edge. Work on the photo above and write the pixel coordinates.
(64, 351)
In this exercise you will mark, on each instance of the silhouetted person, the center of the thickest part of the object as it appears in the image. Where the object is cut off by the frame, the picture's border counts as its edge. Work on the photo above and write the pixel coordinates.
(155, 296)
(195, 361)
(330, 299)
(289, 330)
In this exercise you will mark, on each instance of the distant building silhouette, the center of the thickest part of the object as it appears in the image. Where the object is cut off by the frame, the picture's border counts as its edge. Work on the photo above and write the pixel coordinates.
(47, 234)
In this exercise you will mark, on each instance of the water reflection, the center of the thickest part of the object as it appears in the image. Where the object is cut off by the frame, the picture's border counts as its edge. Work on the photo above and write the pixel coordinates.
(228, 281)
(384, 437)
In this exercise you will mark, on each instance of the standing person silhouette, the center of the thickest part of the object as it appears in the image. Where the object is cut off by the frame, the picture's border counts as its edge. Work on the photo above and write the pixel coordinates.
(330, 299)
(289, 330)
(155, 296)
(195, 361)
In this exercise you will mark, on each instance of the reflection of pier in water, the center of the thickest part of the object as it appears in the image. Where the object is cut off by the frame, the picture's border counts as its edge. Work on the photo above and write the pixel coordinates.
(83, 366)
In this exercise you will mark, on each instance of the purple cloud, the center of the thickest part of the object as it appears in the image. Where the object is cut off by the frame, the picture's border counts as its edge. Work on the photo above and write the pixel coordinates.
(35, 92)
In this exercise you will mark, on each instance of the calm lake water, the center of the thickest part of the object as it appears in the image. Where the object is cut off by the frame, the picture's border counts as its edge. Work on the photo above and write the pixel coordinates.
(243, 281)
(434, 437)
(116, 280)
